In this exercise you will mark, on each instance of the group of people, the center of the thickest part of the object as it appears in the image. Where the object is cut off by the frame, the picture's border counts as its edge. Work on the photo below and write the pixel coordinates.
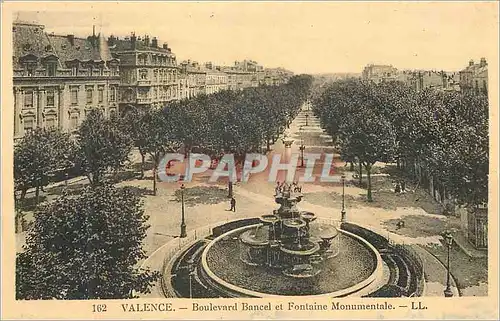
(281, 187)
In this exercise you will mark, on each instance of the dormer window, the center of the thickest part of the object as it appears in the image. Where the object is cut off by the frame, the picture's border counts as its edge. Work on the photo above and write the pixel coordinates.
(51, 69)
(48, 48)
(30, 69)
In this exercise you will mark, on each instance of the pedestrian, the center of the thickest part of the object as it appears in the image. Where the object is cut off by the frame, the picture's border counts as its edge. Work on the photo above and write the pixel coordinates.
(397, 188)
(233, 204)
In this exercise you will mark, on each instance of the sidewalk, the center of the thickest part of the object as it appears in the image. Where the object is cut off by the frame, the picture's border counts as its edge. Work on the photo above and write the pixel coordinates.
(435, 274)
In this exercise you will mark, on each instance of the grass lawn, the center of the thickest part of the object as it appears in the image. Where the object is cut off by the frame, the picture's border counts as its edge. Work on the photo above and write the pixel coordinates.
(467, 271)
(418, 225)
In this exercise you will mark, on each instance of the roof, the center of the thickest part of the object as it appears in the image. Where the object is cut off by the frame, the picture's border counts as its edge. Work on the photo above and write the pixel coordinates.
(126, 45)
(31, 39)
(476, 69)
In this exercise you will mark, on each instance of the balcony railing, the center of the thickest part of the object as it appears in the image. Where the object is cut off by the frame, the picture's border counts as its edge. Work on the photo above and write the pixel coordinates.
(66, 73)
(144, 100)
(143, 82)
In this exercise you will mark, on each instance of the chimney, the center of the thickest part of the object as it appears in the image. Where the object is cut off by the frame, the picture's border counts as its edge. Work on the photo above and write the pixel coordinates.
(71, 39)
(154, 42)
(483, 62)
(133, 40)
(165, 46)
(111, 40)
(146, 41)
(471, 63)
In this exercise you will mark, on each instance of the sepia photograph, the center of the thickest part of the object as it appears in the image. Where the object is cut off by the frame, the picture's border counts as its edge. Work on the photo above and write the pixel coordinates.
(250, 159)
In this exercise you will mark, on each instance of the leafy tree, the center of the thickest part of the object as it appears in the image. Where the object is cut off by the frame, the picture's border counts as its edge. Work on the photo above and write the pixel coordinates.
(371, 138)
(38, 155)
(159, 138)
(85, 247)
(133, 124)
(102, 146)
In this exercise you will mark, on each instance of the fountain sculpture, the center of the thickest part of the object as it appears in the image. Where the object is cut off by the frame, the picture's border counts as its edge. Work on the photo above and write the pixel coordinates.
(285, 239)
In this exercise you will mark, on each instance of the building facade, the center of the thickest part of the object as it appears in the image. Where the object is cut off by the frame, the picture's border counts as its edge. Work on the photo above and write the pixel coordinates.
(58, 79)
(379, 73)
(427, 79)
(474, 78)
(148, 72)
(216, 80)
(195, 78)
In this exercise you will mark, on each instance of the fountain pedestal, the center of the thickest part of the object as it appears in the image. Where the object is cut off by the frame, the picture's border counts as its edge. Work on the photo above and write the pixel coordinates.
(284, 239)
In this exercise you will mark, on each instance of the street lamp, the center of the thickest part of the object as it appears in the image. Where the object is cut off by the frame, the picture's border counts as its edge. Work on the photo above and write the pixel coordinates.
(302, 147)
(449, 241)
(307, 116)
(190, 266)
(343, 212)
(183, 222)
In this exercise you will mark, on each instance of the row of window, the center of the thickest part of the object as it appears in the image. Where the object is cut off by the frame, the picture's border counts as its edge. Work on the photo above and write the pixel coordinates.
(153, 59)
(50, 96)
(158, 75)
(51, 69)
(51, 121)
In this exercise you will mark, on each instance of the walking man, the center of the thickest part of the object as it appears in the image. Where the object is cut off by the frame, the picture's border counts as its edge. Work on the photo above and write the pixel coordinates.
(233, 204)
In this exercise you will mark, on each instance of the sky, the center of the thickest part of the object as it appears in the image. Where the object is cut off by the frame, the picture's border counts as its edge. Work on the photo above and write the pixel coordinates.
(312, 37)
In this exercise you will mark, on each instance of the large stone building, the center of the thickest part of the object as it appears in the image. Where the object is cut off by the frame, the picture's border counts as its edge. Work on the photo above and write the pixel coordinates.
(474, 78)
(379, 73)
(148, 71)
(194, 76)
(216, 80)
(58, 78)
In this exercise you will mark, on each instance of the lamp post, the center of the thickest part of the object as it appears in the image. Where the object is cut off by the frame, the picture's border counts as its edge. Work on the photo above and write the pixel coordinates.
(307, 116)
(449, 241)
(190, 266)
(302, 147)
(183, 222)
(343, 212)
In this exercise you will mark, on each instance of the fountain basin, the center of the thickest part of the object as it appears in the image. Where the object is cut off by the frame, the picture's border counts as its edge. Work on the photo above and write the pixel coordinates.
(357, 265)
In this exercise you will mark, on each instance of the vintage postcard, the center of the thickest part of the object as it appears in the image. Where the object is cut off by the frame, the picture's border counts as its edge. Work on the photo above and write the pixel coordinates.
(250, 160)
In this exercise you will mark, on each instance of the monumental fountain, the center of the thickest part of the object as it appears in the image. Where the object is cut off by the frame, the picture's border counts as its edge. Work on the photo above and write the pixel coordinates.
(285, 240)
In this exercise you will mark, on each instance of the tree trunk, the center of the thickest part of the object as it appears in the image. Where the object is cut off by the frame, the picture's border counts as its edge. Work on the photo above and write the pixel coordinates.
(230, 188)
(143, 160)
(360, 173)
(368, 173)
(398, 164)
(268, 146)
(154, 181)
(37, 192)
(95, 178)
(351, 168)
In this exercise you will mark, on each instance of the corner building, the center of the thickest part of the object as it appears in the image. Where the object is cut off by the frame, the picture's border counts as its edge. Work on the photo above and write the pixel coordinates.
(148, 73)
(58, 78)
